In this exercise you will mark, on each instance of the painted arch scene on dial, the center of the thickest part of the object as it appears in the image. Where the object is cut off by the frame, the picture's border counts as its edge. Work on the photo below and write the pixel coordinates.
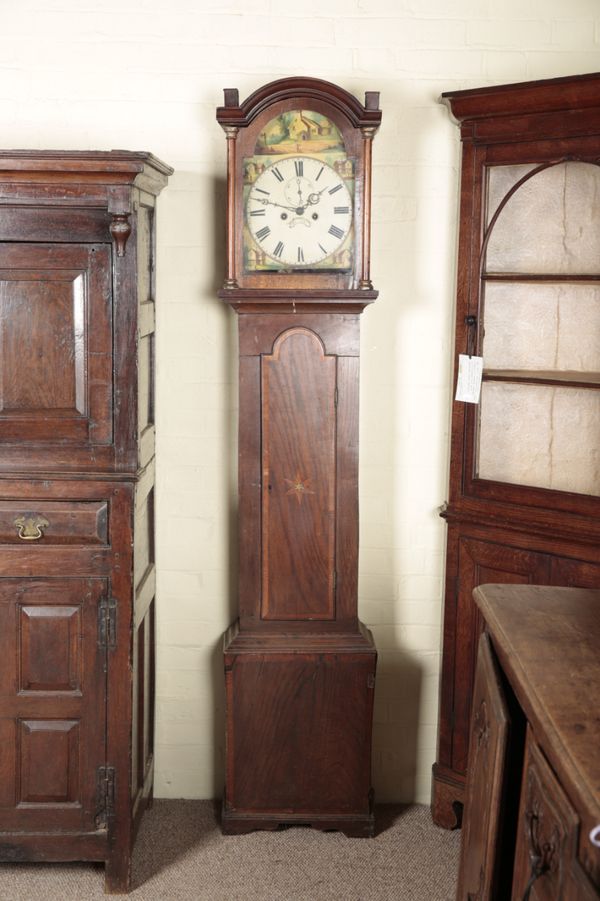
(299, 197)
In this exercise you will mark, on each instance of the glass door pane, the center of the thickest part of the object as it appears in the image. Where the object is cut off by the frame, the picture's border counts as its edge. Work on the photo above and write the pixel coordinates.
(550, 224)
(540, 435)
(539, 417)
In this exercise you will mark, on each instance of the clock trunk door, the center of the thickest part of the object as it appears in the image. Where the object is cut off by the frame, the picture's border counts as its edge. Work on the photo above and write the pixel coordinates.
(299, 468)
(56, 365)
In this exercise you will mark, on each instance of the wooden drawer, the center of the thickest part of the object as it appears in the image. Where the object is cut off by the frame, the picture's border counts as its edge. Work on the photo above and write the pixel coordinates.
(546, 866)
(42, 522)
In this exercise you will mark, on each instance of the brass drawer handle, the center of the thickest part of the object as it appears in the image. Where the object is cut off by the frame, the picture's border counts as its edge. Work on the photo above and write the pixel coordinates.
(31, 527)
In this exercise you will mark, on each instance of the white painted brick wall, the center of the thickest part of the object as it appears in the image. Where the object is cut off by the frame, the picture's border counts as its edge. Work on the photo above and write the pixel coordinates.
(148, 74)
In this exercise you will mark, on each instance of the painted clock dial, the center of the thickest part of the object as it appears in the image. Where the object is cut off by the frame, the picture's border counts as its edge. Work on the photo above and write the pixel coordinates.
(299, 211)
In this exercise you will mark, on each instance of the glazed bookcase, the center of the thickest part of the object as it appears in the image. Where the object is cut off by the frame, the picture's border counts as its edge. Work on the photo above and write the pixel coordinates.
(523, 503)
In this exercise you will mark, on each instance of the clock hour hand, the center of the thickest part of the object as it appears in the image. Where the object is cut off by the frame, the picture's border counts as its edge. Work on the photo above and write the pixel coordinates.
(316, 196)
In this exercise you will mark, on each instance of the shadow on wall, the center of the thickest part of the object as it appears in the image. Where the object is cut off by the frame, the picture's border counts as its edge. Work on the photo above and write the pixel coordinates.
(407, 340)
(396, 725)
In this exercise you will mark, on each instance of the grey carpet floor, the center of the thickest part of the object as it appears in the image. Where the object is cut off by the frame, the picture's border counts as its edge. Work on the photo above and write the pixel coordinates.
(181, 854)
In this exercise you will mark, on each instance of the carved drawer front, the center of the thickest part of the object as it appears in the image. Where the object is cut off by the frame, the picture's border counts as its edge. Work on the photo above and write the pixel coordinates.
(36, 523)
(52, 703)
(547, 834)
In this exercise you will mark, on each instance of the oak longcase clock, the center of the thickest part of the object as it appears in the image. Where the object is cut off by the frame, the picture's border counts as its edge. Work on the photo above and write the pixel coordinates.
(299, 666)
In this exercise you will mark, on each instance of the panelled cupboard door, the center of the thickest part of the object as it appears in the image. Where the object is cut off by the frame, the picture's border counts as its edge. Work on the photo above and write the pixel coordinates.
(56, 362)
(479, 563)
(490, 727)
(546, 836)
(52, 703)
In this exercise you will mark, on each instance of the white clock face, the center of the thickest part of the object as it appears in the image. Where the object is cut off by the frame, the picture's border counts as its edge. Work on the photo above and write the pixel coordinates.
(299, 211)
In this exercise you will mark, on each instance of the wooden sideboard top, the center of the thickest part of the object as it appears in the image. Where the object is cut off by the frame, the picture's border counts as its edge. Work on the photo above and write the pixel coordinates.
(548, 642)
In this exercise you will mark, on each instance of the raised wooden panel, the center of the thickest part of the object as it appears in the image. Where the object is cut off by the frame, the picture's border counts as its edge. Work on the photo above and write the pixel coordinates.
(479, 563)
(50, 652)
(52, 702)
(149, 684)
(144, 533)
(143, 706)
(55, 344)
(47, 322)
(298, 479)
(547, 832)
(134, 771)
(145, 251)
(8, 781)
(49, 762)
(145, 382)
(65, 522)
(480, 840)
(141, 702)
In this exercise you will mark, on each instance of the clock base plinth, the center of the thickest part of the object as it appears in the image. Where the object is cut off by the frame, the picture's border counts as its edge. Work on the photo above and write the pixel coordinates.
(447, 798)
(234, 823)
(299, 722)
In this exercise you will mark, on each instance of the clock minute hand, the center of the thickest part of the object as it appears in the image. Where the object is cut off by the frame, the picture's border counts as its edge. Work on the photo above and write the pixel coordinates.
(272, 203)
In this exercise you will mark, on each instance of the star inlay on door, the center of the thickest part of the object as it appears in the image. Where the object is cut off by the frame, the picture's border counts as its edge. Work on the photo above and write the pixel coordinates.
(299, 487)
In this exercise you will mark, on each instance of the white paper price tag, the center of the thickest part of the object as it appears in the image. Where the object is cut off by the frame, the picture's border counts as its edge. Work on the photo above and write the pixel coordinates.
(470, 372)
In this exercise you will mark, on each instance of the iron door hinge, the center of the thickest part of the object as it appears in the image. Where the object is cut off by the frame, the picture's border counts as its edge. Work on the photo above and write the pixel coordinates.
(105, 795)
(335, 397)
(371, 680)
(107, 624)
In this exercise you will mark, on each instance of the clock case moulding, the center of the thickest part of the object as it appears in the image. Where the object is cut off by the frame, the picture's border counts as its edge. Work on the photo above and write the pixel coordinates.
(299, 666)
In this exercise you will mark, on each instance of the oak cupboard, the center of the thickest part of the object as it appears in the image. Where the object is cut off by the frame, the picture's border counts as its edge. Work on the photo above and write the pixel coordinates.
(77, 579)
(531, 827)
(523, 503)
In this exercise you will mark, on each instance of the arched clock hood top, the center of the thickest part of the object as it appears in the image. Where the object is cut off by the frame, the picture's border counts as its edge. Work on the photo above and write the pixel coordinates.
(234, 113)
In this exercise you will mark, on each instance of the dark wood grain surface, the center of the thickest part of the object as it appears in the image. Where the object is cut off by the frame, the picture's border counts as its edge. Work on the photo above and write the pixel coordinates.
(488, 748)
(542, 807)
(299, 667)
(298, 473)
(76, 503)
(548, 641)
(500, 531)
